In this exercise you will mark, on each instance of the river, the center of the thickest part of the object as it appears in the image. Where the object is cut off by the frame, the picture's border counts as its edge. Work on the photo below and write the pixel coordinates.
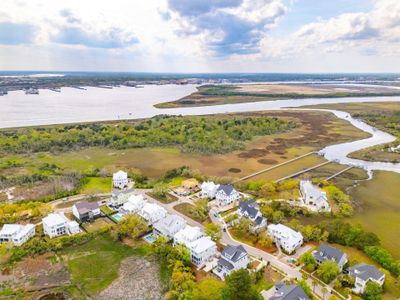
(97, 104)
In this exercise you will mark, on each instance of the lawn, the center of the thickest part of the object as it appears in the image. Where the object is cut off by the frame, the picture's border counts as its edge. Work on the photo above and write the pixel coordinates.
(186, 209)
(379, 208)
(168, 198)
(249, 241)
(97, 185)
(94, 265)
(106, 210)
(96, 225)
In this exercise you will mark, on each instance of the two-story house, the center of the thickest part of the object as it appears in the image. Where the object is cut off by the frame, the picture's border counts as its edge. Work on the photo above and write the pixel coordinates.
(118, 198)
(326, 252)
(232, 259)
(120, 179)
(314, 198)
(285, 237)
(152, 213)
(226, 195)
(363, 273)
(85, 211)
(208, 189)
(134, 204)
(169, 226)
(56, 224)
(251, 210)
(16, 233)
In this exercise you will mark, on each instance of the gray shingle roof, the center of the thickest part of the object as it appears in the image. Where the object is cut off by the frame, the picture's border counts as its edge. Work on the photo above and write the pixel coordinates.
(227, 188)
(223, 262)
(233, 253)
(289, 292)
(365, 272)
(327, 252)
(250, 207)
(85, 206)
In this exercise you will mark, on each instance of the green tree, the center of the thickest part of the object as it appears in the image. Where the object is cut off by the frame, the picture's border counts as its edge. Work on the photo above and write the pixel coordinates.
(160, 189)
(214, 231)
(182, 278)
(200, 209)
(309, 261)
(209, 289)
(327, 271)
(242, 227)
(131, 226)
(373, 291)
(240, 287)
(264, 239)
(303, 284)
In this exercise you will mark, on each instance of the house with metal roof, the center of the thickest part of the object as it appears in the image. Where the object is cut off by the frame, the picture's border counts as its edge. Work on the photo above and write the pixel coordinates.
(288, 292)
(232, 259)
(152, 213)
(251, 210)
(226, 195)
(56, 224)
(169, 226)
(134, 204)
(85, 211)
(326, 252)
(313, 197)
(363, 273)
(286, 238)
(16, 233)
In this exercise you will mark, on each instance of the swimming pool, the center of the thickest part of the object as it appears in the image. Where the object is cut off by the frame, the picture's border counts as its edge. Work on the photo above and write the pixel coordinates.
(117, 217)
(149, 238)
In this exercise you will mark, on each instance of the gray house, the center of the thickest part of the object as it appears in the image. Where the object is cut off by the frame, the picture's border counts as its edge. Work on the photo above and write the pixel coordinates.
(232, 258)
(251, 210)
(288, 292)
(364, 273)
(327, 252)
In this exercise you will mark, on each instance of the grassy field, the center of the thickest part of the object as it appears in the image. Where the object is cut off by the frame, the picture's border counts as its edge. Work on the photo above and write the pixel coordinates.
(185, 208)
(259, 153)
(94, 265)
(97, 185)
(379, 208)
(168, 198)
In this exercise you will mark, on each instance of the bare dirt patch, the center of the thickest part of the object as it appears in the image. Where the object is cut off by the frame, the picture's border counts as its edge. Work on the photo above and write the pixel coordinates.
(234, 170)
(266, 161)
(138, 279)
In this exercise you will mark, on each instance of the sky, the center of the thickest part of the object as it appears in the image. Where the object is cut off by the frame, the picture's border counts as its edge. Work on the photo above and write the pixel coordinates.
(184, 36)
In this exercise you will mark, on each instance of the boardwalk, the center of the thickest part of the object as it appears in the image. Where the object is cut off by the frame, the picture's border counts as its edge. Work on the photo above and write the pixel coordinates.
(303, 171)
(276, 166)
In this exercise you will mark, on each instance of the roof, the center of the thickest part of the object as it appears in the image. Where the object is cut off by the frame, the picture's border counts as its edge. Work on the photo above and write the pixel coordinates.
(26, 228)
(326, 252)
(223, 262)
(233, 253)
(152, 208)
(189, 233)
(285, 231)
(289, 292)
(259, 220)
(226, 188)
(365, 272)
(85, 206)
(250, 207)
(136, 199)
(10, 229)
(120, 175)
(311, 190)
(54, 219)
(202, 244)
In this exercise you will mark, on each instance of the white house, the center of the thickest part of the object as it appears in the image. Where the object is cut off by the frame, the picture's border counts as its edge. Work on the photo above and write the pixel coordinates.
(208, 189)
(187, 235)
(285, 237)
(364, 273)
(120, 179)
(251, 210)
(202, 250)
(326, 252)
(152, 213)
(201, 247)
(118, 198)
(226, 195)
(314, 198)
(16, 233)
(57, 224)
(85, 211)
(134, 204)
(169, 226)
(232, 259)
